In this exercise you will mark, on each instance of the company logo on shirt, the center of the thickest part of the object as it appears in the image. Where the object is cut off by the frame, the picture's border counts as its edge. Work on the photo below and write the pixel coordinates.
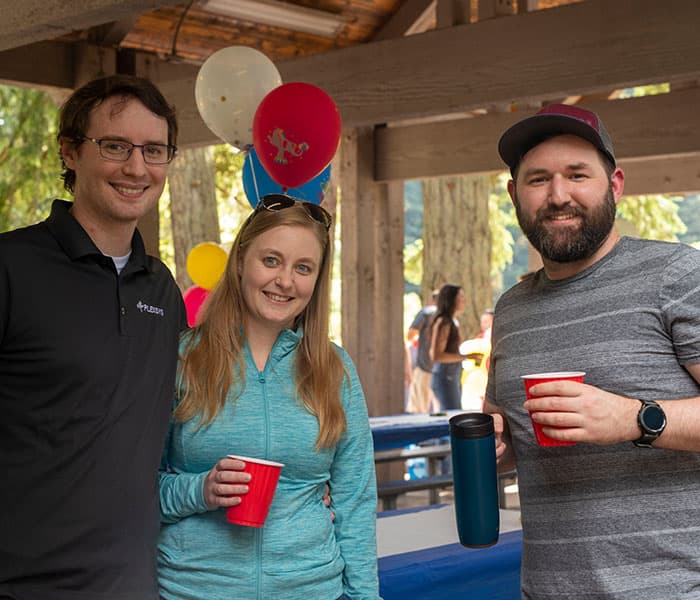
(147, 308)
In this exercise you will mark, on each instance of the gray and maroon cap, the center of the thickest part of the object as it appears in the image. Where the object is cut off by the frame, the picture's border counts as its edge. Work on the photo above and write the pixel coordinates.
(552, 120)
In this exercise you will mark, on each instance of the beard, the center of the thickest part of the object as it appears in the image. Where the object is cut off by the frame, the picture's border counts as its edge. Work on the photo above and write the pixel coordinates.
(573, 243)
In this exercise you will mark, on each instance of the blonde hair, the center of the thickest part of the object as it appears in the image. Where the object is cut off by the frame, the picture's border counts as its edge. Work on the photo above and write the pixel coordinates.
(213, 363)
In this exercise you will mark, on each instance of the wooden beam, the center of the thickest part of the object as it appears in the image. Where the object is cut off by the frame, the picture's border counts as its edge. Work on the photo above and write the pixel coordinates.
(488, 9)
(62, 66)
(462, 146)
(526, 6)
(470, 66)
(641, 127)
(405, 18)
(646, 127)
(532, 55)
(452, 12)
(665, 175)
(43, 64)
(389, 290)
(113, 34)
(35, 20)
(372, 267)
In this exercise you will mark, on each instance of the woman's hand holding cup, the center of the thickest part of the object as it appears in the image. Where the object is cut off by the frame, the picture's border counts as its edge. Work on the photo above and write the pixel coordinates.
(225, 483)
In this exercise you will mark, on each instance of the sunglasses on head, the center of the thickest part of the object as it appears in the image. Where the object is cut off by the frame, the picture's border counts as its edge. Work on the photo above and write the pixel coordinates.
(276, 202)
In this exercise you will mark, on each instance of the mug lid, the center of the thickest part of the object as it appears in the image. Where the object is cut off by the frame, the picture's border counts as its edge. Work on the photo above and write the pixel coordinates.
(471, 425)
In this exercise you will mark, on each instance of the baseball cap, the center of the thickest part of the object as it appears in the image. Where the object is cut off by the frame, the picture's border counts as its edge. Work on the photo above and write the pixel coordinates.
(551, 120)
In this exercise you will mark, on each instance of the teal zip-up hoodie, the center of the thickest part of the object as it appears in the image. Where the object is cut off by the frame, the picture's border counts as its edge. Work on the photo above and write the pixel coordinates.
(300, 553)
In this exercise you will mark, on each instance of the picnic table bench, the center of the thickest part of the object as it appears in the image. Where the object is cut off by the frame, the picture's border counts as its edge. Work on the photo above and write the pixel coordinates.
(389, 491)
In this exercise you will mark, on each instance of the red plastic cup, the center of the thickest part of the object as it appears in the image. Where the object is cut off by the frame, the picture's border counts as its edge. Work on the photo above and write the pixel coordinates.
(254, 506)
(534, 379)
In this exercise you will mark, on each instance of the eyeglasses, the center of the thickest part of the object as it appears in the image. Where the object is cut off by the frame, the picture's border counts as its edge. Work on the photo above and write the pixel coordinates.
(277, 202)
(120, 150)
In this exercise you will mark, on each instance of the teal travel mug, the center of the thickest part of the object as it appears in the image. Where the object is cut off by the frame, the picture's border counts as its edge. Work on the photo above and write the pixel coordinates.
(475, 479)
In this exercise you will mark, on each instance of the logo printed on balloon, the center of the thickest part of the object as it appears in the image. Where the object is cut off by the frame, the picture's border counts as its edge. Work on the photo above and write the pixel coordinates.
(279, 141)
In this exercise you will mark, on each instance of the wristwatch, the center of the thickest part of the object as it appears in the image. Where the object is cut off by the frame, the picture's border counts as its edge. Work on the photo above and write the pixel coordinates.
(652, 421)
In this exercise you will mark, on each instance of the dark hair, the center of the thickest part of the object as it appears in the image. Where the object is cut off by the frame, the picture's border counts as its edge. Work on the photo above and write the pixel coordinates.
(75, 112)
(447, 300)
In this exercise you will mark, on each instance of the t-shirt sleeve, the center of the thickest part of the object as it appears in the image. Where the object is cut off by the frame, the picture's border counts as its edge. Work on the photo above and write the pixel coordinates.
(418, 320)
(680, 304)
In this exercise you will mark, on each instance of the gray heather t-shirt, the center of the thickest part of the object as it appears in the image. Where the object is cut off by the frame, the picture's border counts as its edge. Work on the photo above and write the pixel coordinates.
(422, 322)
(617, 521)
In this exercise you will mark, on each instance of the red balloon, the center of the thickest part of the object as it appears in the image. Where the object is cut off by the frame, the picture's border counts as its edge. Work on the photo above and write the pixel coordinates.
(296, 133)
(194, 297)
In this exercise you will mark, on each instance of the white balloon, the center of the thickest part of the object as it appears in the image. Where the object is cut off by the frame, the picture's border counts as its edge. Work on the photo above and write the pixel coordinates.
(230, 85)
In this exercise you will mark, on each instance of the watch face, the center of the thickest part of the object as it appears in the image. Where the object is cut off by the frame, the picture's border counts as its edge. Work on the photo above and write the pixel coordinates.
(653, 418)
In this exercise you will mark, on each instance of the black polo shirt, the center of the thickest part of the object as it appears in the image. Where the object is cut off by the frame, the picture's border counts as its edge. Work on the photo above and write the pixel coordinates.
(87, 373)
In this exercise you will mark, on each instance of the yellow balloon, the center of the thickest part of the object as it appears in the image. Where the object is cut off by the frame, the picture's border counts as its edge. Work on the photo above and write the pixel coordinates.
(205, 264)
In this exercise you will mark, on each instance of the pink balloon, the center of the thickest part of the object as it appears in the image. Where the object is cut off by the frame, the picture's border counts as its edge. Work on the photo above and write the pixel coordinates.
(194, 298)
(296, 133)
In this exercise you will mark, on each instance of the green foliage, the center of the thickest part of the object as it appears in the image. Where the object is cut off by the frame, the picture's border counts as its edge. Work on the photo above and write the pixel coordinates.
(413, 263)
(165, 231)
(689, 212)
(413, 236)
(654, 216)
(413, 212)
(232, 202)
(501, 217)
(29, 165)
(645, 90)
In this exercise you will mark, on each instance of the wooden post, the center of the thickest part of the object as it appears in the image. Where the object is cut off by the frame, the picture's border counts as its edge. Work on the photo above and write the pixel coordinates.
(371, 216)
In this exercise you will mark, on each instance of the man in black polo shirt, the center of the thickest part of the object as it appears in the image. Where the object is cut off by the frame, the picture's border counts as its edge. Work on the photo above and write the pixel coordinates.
(89, 330)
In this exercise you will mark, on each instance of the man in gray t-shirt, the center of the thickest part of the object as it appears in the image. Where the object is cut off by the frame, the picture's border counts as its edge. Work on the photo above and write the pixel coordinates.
(617, 514)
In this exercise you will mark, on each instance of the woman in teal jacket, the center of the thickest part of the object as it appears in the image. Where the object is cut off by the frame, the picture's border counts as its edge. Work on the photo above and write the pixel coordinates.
(259, 377)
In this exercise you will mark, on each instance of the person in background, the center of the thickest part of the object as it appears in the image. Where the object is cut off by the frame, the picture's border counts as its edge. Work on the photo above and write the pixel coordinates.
(614, 516)
(260, 378)
(89, 328)
(445, 340)
(407, 371)
(475, 367)
(421, 398)
(485, 323)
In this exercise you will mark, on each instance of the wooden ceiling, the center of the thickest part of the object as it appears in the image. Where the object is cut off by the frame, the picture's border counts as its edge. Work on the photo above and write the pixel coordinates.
(189, 32)
(467, 64)
(203, 32)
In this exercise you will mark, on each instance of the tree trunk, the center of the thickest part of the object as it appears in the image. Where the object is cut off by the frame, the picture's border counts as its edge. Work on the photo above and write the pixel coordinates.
(457, 242)
(193, 209)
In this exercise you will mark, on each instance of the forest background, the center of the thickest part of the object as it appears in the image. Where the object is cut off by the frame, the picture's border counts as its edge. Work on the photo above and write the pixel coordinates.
(205, 201)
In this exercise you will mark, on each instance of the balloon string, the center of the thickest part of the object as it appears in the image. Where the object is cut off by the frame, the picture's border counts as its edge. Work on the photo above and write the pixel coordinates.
(255, 181)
